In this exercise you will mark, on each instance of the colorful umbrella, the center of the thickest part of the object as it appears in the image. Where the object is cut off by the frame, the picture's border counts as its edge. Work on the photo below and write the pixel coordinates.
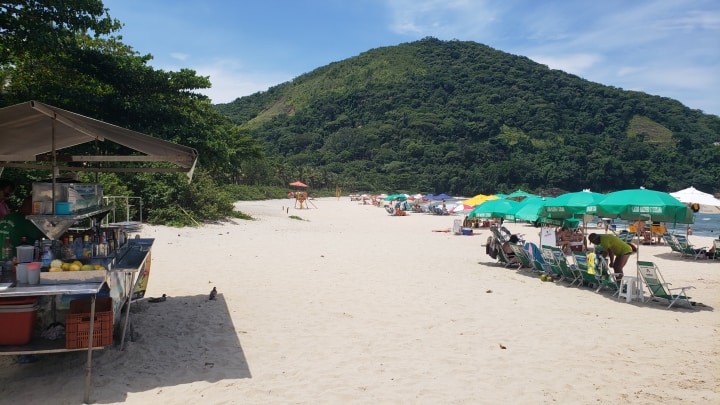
(494, 209)
(461, 208)
(479, 199)
(298, 184)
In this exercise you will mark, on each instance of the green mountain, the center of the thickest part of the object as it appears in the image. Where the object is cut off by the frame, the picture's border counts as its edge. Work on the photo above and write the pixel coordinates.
(463, 118)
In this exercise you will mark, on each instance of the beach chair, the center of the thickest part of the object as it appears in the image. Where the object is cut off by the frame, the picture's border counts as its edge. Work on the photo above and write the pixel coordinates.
(506, 260)
(716, 253)
(569, 272)
(586, 273)
(559, 266)
(523, 256)
(603, 273)
(671, 241)
(499, 235)
(688, 250)
(552, 267)
(626, 236)
(536, 258)
(657, 286)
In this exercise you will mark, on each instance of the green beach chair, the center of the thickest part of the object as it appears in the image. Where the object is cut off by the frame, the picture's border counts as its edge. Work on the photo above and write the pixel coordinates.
(604, 275)
(587, 274)
(523, 256)
(506, 260)
(568, 272)
(671, 241)
(657, 286)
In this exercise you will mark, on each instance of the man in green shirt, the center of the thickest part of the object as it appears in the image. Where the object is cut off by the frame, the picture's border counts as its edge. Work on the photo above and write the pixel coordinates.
(618, 251)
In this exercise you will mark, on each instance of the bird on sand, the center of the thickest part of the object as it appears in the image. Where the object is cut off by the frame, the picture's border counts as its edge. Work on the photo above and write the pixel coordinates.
(213, 294)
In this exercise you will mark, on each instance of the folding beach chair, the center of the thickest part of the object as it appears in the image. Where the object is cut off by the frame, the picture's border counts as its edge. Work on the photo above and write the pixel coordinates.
(587, 274)
(507, 260)
(568, 272)
(523, 256)
(657, 285)
(688, 250)
(502, 238)
(536, 258)
(626, 236)
(716, 252)
(671, 241)
(603, 273)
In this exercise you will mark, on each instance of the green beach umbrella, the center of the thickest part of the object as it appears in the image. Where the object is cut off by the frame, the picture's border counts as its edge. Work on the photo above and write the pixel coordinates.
(399, 197)
(501, 208)
(529, 209)
(571, 205)
(519, 195)
(644, 204)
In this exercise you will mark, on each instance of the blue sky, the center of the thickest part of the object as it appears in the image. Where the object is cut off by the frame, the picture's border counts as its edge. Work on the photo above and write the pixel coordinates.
(669, 48)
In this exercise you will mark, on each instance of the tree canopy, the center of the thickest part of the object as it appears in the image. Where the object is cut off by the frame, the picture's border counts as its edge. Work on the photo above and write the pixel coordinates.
(64, 54)
(461, 117)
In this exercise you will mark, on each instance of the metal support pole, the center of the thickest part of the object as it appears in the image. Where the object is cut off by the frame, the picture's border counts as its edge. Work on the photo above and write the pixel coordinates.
(88, 366)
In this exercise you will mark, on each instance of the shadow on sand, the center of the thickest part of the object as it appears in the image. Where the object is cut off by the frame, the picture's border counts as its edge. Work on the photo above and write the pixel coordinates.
(181, 340)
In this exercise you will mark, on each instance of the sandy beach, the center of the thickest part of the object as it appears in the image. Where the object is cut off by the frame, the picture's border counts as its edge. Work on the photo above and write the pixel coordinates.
(344, 304)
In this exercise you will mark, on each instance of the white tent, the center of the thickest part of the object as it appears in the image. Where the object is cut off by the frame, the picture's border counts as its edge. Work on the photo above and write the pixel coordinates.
(691, 195)
(31, 133)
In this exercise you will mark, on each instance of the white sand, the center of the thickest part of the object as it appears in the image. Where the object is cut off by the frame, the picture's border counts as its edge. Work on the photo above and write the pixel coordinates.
(351, 305)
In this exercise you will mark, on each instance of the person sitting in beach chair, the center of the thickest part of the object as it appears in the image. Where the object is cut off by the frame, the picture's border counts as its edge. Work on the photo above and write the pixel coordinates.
(506, 255)
(398, 210)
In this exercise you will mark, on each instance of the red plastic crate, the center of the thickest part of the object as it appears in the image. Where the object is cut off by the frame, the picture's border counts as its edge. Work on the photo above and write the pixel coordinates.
(77, 324)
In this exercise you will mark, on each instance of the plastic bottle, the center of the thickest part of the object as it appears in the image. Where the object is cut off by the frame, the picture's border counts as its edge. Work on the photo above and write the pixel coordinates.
(67, 252)
(8, 250)
(87, 250)
(36, 251)
(78, 247)
(46, 258)
(102, 247)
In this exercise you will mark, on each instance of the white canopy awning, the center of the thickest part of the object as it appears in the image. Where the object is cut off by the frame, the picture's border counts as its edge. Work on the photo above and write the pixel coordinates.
(31, 130)
(692, 195)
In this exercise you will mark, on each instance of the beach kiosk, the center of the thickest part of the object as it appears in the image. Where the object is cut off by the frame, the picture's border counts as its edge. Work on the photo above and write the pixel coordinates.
(32, 135)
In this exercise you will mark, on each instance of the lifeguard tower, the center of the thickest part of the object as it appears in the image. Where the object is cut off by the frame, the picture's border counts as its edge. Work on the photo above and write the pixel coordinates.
(301, 196)
(301, 199)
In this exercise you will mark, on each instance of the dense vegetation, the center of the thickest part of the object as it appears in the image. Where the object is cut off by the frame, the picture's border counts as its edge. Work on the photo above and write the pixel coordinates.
(460, 117)
(64, 54)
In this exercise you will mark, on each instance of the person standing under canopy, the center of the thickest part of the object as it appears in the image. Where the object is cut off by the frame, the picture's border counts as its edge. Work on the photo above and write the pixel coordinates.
(617, 250)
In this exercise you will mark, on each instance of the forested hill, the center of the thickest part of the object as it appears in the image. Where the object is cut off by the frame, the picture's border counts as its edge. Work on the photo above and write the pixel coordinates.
(463, 118)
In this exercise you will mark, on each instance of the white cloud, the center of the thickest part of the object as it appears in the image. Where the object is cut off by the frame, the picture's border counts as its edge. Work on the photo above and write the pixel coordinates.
(576, 64)
(230, 81)
(445, 19)
(179, 56)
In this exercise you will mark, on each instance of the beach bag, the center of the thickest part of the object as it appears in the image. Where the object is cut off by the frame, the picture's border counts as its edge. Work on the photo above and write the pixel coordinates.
(491, 247)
